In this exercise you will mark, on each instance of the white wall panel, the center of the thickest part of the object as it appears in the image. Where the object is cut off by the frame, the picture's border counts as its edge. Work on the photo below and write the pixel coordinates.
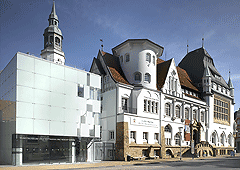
(90, 118)
(95, 81)
(25, 78)
(71, 102)
(42, 82)
(70, 88)
(41, 96)
(81, 103)
(57, 85)
(57, 99)
(25, 63)
(86, 92)
(84, 130)
(41, 127)
(96, 105)
(82, 77)
(57, 71)
(42, 67)
(97, 130)
(24, 94)
(57, 128)
(72, 115)
(70, 75)
(57, 113)
(24, 110)
(70, 129)
(41, 111)
(24, 125)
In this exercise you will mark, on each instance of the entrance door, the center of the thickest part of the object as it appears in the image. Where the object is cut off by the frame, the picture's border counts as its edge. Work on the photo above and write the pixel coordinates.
(195, 137)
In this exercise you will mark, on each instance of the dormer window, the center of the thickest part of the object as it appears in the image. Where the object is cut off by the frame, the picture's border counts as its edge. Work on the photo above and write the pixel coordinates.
(148, 57)
(147, 77)
(127, 57)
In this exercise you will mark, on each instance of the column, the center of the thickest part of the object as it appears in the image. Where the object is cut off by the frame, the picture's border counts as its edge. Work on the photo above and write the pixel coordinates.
(191, 112)
(199, 114)
(173, 108)
(183, 111)
(73, 152)
(17, 150)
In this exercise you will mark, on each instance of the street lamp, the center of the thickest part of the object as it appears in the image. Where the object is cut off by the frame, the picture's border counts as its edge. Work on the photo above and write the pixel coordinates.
(180, 131)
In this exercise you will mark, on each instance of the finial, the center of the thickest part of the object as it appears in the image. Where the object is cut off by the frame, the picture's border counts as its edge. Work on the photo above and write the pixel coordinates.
(202, 42)
(102, 44)
(187, 46)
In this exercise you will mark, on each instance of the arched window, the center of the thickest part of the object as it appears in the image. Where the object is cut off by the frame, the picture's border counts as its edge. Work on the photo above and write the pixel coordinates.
(138, 77)
(177, 139)
(148, 77)
(167, 133)
(177, 111)
(202, 116)
(154, 60)
(148, 57)
(127, 57)
(57, 41)
(168, 128)
(222, 138)
(167, 109)
(214, 138)
(186, 113)
(194, 114)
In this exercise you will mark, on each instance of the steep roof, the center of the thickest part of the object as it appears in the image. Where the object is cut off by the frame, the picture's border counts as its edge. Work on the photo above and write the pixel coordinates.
(195, 63)
(162, 70)
(112, 62)
(185, 79)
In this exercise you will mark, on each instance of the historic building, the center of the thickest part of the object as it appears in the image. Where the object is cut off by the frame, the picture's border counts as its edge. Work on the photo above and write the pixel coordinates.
(150, 106)
(49, 112)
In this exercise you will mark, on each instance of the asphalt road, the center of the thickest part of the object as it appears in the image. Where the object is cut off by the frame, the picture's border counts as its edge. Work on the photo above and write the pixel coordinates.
(206, 164)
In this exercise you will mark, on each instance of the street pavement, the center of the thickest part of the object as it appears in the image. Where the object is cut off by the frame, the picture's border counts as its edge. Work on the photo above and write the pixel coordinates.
(223, 162)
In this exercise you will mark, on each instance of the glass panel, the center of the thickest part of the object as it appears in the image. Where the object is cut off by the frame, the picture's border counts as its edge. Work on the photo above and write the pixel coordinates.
(42, 67)
(57, 85)
(41, 96)
(41, 111)
(42, 82)
(70, 75)
(57, 71)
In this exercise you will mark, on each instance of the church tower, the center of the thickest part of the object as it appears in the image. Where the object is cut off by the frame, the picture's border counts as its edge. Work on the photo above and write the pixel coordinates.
(53, 40)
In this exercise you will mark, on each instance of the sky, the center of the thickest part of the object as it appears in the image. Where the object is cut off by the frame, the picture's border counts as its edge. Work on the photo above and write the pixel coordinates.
(170, 23)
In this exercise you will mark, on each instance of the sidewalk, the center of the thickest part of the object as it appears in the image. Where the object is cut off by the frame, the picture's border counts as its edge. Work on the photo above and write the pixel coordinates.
(97, 164)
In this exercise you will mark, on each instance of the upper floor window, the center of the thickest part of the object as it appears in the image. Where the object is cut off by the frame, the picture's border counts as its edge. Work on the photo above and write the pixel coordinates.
(127, 57)
(167, 109)
(145, 105)
(91, 93)
(156, 107)
(202, 116)
(186, 113)
(57, 41)
(111, 135)
(177, 111)
(177, 139)
(194, 114)
(154, 60)
(80, 91)
(148, 77)
(138, 76)
(124, 103)
(149, 106)
(148, 57)
(167, 128)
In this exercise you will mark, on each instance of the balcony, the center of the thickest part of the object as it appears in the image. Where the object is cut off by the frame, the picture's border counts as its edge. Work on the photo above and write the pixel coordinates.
(127, 110)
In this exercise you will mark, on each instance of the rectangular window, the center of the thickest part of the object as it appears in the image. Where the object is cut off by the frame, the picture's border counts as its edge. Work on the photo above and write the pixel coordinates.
(145, 105)
(124, 104)
(111, 135)
(153, 107)
(80, 91)
(110, 153)
(91, 93)
(145, 137)
(156, 107)
(99, 94)
(156, 135)
(133, 135)
(149, 106)
(88, 79)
